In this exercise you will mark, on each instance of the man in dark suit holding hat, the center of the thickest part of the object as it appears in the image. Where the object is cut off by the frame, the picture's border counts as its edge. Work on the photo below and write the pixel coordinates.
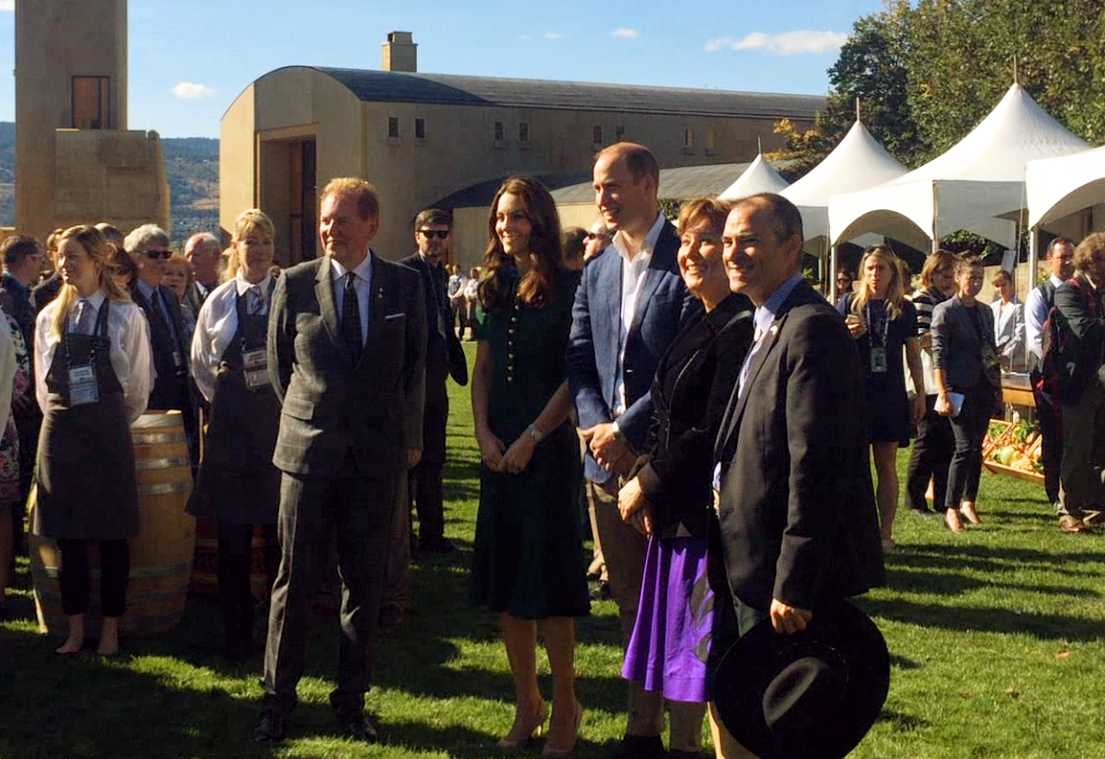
(797, 513)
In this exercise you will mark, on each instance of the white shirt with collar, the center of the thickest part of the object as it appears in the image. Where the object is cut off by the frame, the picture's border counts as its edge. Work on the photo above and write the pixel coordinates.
(216, 325)
(633, 278)
(362, 285)
(130, 349)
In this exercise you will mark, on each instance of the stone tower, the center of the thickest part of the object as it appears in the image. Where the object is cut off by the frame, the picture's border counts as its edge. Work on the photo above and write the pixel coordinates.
(75, 160)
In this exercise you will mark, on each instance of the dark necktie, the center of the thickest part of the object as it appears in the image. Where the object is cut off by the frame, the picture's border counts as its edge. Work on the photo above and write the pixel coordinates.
(253, 301)
(351, 318)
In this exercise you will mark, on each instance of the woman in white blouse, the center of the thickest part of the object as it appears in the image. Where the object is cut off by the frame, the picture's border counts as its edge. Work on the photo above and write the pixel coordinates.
(92, 379)
(1009, 331)
(237, 484)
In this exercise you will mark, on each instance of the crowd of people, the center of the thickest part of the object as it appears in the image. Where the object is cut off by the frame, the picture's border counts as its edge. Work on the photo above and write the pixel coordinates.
(682, 383)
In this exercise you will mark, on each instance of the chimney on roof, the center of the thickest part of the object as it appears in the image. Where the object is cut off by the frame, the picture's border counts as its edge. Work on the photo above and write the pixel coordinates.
(400, 53)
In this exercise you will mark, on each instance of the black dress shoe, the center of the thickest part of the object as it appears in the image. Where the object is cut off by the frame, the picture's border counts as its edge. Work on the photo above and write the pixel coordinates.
(640, 747)
(271, 728)
(436, 545)
(357, 727)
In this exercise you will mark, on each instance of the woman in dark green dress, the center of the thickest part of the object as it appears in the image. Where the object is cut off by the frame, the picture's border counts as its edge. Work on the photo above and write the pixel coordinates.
(528, 562)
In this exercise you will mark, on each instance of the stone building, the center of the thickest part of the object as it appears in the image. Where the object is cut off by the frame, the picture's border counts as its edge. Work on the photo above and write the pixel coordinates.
(421, 138)
(75, 160)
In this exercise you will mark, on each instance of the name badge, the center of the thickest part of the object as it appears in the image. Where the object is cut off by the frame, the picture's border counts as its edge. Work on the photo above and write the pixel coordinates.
(255, 365)
(177, 360)
(878, 360)
(83, 387)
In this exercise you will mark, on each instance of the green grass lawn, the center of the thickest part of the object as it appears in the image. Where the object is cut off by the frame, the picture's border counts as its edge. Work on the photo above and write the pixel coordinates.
(995, 641)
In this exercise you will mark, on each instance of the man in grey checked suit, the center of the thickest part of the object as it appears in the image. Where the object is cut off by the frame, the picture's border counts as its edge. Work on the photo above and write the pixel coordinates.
(346, 356)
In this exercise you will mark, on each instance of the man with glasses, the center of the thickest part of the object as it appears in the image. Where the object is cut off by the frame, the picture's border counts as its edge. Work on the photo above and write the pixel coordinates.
(148, 246)
(433, 235)
(598, 239)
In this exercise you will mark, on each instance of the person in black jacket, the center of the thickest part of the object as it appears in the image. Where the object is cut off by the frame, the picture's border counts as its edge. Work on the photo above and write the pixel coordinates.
(1077, 359)
(669, 496)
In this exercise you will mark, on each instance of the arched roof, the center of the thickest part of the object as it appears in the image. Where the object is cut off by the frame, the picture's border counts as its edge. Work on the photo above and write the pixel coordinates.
(399, 87)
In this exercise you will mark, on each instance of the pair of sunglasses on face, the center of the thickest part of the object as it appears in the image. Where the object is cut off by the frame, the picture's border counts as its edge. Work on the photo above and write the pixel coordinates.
(166, 254)
(430, 234)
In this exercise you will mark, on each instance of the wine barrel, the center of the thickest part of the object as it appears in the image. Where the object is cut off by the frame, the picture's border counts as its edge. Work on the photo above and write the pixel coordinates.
(205, 567)
(161, 555)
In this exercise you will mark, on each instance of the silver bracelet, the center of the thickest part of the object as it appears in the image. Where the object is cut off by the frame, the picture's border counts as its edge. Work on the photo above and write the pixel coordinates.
(535, 433)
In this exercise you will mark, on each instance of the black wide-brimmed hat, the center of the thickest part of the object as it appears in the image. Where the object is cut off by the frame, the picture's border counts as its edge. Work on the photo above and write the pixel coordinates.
(810, 695)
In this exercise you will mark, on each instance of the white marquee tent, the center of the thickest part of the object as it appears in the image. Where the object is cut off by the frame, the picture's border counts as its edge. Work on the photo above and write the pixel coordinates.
(1059, 187)
(857, 163)
(758, 177)
(969, 187)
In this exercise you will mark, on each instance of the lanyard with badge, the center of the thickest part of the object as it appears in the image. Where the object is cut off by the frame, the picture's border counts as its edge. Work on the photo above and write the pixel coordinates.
(84, 388)
(879, 363)
(255, 363)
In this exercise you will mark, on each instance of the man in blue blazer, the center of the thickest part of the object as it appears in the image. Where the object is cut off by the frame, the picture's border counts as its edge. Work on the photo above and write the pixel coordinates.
(629, 306)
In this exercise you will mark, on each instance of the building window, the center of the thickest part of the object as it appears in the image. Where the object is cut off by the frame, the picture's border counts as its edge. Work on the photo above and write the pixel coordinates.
(597, 135)
(91, 102)
(523, 131)
(688, 138)
(619, 133)
(500, 131)
(709, 141)
(420, 129)
(393, 127)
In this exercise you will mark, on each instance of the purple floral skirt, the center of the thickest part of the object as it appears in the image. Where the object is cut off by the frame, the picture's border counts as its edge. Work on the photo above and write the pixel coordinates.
(671, 637)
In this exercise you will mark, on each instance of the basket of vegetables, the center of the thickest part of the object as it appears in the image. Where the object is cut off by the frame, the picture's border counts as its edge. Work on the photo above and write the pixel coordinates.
(1015, 451)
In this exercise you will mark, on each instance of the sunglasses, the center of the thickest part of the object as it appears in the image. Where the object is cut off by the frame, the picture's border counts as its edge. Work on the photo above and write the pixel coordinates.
(430, 234)
(118, 271)
(166, 254)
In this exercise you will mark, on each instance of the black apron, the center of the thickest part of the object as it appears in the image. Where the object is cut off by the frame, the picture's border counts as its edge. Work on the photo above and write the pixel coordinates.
(237, 482)
(85, 471)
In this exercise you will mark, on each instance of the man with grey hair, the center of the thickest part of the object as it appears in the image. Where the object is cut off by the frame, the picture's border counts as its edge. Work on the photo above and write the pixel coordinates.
(148, 245)
(202, 251)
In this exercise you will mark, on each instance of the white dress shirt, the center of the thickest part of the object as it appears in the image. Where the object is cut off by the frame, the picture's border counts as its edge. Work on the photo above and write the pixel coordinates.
(1035, 314)
(130, 349)
(362, 284)
(216, 325)
(633, 278)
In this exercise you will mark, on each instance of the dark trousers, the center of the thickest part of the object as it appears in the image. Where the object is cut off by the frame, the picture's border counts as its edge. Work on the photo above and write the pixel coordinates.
(930, 458)
(74, 577)
(235, 592)
(360, 509)
(969, 428)
(428, 496)
(1049, 414)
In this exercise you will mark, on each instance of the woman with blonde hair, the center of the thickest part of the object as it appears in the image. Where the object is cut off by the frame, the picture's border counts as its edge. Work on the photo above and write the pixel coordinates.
(237, 484)
(884, 323)
(92, 379)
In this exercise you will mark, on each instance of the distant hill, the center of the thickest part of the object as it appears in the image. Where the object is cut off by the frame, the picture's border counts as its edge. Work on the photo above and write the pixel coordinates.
(191, 167)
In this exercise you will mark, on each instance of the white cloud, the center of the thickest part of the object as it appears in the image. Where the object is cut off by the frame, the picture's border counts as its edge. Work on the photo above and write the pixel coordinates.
(553, 35)
(788, 43)
(525, 38)
(191, 90)
(629, 34)
(7, 5)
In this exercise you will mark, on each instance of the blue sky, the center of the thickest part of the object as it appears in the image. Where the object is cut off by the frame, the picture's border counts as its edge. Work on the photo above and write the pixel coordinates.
(189, 59)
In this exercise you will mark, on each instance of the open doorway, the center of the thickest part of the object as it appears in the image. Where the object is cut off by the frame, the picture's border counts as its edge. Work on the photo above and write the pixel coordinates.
(290, 197)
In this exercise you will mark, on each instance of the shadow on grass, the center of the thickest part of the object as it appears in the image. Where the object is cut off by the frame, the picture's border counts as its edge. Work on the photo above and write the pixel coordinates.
(86, 706)
(943, 556)
(984, 619)
(917, 580)
(902, 723)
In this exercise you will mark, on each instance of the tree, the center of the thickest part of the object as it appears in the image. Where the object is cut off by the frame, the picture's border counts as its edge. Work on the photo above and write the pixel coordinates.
(873, 68)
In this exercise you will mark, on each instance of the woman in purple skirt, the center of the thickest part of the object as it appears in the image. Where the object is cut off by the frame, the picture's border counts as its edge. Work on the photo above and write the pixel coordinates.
(669, 495)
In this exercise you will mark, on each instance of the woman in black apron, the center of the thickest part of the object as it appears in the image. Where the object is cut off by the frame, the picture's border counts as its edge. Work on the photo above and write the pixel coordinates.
(237, 483)
(92, 379)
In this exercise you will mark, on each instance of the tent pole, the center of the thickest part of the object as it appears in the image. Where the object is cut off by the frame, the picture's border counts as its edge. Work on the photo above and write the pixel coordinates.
(1033, 255)
(834, 267)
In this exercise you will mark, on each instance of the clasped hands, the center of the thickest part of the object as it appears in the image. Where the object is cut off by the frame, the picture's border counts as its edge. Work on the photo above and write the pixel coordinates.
(634, 507)
(611, 450)
(499, 458)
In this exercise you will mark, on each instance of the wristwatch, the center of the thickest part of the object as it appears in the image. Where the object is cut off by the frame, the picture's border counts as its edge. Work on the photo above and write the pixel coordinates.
(535, 433)
(618, 434)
